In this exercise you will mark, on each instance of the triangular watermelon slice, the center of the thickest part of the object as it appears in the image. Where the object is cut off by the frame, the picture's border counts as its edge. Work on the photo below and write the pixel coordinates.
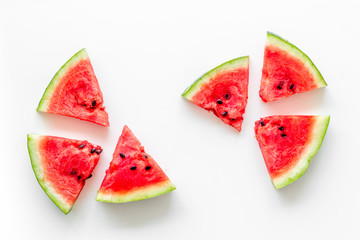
(223, 91)
(286, 70)
(288, 143)
(74, 91)
(133, 174)
(61, 166)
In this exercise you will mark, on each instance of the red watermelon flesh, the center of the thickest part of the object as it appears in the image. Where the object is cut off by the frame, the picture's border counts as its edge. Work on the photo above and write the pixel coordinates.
(223, 91)
(75, 92)
(61, 166)
(286, 70)
(133, 174)
(288, 143)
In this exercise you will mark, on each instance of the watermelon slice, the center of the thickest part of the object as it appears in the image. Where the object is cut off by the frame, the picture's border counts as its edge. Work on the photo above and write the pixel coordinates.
(223, 91)
(61, 166)
(133, 174)
(288, 144)
(74, 91)
(286, 70)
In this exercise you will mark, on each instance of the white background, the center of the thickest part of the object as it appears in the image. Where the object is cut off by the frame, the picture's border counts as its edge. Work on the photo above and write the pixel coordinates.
(145, 53)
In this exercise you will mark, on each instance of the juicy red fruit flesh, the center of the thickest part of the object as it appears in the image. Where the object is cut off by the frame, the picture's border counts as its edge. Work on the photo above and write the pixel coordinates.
(131, 168)
(79, 95)
(282, 139)
(283, 75)
(67, 163)
(226, 96)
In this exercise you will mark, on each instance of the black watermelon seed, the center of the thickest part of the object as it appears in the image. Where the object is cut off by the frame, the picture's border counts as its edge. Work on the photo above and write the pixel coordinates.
(281, 128)
(283, 135)
(233, 119)
(280, 85)
(122, 155)
(219, 101)
(89, 176)
(224, 114)
(148, 167)
(92, 150)
(73, 172)
(133, 168)
(227, 96)
(93, 103)
(292, 86)
(81, 146)
(79, 177)
(98, 151)
(145, 156)
(262, 123)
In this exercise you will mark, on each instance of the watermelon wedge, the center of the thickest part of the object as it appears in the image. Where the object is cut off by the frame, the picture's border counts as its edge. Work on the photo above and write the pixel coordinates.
(74, 91)
(133, 174)
(61, 166)
(223, 91)
(288, 143)
(286, 70)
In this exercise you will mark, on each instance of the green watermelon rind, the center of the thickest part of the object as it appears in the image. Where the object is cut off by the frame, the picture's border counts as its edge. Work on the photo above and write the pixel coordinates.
(225, 67)
(45, 100)
(278, 41)
(33, 148)
(137, 195)
(297, 171)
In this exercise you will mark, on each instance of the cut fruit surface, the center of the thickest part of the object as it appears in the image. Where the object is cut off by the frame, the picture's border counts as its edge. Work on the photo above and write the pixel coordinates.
(223, 91)
(61, 166)
(286, 70)
(288, 143)
(133, 174)
(75, 92)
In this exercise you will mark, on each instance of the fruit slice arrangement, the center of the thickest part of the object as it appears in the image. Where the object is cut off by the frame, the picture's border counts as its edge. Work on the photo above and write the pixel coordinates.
(61, 166)
(286, 70)
(133, 174)
(288, 143)
(223, 91)
(75, 92)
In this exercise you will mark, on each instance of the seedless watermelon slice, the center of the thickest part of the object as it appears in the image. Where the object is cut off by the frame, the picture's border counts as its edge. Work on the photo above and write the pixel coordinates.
(74, 91)
(133, 174)
(223, 91)
(286, 70)
(288, 143)
(61, 166)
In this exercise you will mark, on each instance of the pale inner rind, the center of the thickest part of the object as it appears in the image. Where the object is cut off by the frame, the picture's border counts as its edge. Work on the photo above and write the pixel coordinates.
(136, 195)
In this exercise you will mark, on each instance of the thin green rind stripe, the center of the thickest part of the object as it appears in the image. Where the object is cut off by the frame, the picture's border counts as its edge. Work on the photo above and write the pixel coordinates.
(296, 52)
(44, 102)
(35, 157)
(297, 171)
(227, 66)
(141, 194)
